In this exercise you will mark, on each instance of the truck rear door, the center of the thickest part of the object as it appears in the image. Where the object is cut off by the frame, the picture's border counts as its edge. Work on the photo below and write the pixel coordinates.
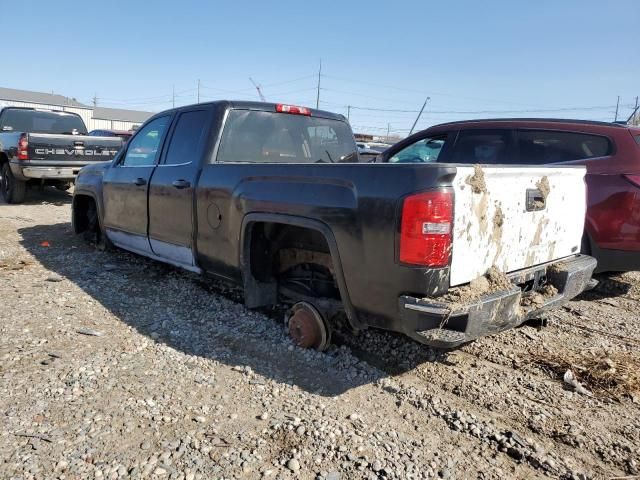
(171, 190)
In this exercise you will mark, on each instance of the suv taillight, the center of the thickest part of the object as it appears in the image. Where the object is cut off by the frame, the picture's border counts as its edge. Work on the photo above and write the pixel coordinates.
(425, 231)
(23, 147)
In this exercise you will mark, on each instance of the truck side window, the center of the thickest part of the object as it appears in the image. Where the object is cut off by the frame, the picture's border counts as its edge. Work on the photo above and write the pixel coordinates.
(188, 138)
(143, 148)
(544, 146)
(426, 150)
(482, 146)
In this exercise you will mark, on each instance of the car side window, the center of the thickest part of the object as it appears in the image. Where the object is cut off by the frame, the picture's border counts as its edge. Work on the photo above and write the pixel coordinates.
(426, 150)
(188, 138)
(544, 146)
(143, 148)
(482, 146)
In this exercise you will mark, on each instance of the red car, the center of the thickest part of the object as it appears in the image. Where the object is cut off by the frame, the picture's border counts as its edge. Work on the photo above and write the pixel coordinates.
(125, 135)
(610, 152)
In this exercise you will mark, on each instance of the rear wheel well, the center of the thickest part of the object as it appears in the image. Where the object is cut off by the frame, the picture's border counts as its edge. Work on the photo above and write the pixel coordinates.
(84, 213)
(293, 260)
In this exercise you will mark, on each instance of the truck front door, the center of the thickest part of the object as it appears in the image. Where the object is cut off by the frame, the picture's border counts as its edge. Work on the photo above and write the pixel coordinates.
(126, 186)
(171, 214)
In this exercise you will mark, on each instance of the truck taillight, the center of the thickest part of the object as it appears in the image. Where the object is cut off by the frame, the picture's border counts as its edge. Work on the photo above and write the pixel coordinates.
(425, 230)
(281, 108)
(23, 147)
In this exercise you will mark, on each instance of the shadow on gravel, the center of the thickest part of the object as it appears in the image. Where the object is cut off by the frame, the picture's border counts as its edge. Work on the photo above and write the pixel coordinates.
(609, 285)
(37, 196)
(186, 312)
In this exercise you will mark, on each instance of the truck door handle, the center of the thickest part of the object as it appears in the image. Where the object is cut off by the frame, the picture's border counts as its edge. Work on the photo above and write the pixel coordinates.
(140, 181)
(535, 200)
(180, 184)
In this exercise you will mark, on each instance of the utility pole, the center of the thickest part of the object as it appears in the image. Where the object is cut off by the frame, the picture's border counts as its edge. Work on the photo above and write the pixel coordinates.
(632, 118)
(388, 130)
(198, 90)
(95, 99)
(419, 114)
(348, 112)
(173, 97)
(262, 99)
(318, 94)
(617, 105)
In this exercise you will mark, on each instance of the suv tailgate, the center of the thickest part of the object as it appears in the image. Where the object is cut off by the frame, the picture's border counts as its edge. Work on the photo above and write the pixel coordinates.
(514, 218)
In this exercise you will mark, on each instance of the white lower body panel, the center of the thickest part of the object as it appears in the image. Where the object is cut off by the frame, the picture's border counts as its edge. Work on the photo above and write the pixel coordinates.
(175, 255)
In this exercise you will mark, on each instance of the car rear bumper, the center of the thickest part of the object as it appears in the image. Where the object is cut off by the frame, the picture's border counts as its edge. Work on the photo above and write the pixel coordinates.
(610, 260)
(447, 325)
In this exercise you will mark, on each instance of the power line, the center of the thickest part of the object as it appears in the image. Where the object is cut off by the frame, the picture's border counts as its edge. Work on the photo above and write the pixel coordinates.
(422, 92)
(318, 94)
(474, 112)
(267, 85)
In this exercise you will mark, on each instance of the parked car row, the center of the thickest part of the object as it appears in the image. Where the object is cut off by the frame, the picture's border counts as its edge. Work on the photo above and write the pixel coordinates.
(125, 135)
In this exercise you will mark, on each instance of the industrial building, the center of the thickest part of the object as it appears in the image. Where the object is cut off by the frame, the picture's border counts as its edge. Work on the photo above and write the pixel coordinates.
(94, 117)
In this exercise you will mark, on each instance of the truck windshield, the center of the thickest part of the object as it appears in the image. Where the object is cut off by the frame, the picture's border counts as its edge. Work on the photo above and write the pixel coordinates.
(33, 121)
(270, 137)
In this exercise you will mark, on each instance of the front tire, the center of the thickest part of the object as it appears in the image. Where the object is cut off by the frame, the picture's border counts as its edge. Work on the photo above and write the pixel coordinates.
(13, 190)
(93, 233)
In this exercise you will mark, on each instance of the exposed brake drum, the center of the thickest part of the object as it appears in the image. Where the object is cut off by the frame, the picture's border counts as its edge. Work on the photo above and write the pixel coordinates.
(308, 327)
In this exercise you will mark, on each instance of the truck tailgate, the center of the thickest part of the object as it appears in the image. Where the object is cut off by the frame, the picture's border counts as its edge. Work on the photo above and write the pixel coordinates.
(515, 217)
(72, 149)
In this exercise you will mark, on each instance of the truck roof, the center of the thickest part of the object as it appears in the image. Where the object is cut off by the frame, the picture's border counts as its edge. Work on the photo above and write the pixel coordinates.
(261, 106)
(47, 110)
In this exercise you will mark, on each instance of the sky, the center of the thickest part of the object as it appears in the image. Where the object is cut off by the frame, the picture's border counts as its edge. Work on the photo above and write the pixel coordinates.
(473, 59)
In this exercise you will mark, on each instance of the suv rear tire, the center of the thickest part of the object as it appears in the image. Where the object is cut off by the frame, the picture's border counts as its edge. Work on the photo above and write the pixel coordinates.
(13, 190)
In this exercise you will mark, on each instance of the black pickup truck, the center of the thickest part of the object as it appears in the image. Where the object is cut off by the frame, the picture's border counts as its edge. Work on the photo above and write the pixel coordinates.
(46, 148)
(274, 198)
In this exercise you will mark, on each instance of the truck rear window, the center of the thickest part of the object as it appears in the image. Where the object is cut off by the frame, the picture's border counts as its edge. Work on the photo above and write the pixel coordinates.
(269, 137)
(33, 121)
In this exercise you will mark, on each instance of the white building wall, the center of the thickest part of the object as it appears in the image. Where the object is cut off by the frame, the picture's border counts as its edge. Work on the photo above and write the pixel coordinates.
(100, 123)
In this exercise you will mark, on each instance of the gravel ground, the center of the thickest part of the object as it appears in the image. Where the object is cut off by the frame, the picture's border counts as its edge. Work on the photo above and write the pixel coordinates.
(115, 366)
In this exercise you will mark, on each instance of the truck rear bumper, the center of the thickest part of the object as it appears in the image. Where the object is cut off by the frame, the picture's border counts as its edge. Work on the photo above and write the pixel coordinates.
(447, 325)
(55, 173)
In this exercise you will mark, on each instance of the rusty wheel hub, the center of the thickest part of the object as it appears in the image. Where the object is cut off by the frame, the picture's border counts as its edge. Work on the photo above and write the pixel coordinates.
(307, 327)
